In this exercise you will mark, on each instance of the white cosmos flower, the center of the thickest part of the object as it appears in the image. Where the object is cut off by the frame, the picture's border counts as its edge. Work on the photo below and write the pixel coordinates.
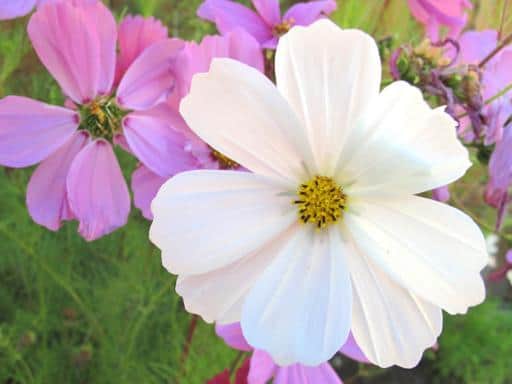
(326, 234)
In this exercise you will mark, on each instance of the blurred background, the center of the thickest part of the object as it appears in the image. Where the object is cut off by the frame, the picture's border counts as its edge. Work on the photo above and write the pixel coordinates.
(106, 312)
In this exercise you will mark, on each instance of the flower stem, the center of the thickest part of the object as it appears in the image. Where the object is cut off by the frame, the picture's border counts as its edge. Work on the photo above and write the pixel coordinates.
(236, 362)
(503, 14)
(506, 41)
(190, 335)
(499, 94)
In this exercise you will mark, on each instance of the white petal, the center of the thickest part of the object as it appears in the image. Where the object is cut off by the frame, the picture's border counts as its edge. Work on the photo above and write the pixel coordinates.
(299, 311)
(329, 76)
(239, 112)
(204, 220)
(430, 248)
(403, 146)
(390, 324)
(219, 295)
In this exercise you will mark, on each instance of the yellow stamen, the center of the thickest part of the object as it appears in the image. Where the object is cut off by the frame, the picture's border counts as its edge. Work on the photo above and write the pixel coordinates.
(224, 161)
(283, 27)
(321, 201)
(96, 110)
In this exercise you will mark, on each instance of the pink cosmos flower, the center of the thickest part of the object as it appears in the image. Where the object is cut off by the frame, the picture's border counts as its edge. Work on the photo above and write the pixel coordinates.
(135, 34)
(474, 47)
(266, 24)
(262, 368)
(79, 176)
(436, 13)
(189, 151)
(225, 377)
(11, 9)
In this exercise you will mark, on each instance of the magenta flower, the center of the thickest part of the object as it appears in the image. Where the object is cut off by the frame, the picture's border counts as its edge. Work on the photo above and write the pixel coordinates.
(500, 176)
(436, 13)
(266, 24)
(11, 9)
(79, 176)
(189, 151)
(474, 47)
(262, 367)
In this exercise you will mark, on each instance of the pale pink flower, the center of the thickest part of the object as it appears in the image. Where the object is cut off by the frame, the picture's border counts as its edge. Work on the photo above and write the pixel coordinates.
(326, 234)
(79, 176)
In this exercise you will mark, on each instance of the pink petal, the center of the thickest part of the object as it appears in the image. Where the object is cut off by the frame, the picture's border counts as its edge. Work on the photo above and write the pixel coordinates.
(11, 9)
(232, 336)
(508, 256)
(441, 194)
(433, 13)
(157, 137)
(135, 35)
(352, 350)
(196, 58)
(120, 140)
(150, 78)
(30, 130)
(309, 12)
(301, 374)
(76, 41)
(500, 171)
(497, 75)
(145, 185)
(262, 368)
(269, 11)
(228, 15)
(476, 45)
(97, 191)
(46, 192)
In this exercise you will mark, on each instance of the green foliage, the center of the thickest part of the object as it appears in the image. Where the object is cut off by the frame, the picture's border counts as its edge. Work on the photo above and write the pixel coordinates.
(477, 347)
(101, 312)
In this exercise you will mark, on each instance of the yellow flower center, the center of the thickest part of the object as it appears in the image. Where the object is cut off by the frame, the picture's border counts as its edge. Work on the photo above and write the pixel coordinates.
(102, 118)
(321, 201)
(224, 161)
(283, 27)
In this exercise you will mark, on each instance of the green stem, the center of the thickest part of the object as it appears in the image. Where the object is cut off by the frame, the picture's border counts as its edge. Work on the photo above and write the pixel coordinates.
(499, 94)
(234, 365)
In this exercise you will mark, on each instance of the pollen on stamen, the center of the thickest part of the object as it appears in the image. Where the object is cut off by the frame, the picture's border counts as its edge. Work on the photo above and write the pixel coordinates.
(320, 201)
(101, 118)
(283, 27)
(224, 161)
